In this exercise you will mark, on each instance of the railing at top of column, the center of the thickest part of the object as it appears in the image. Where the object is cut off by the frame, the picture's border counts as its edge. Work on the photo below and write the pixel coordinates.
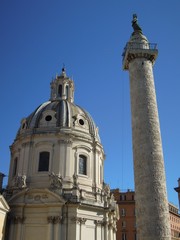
(136, 46)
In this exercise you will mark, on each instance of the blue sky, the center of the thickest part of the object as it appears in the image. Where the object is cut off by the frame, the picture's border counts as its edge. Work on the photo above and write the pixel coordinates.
(37, 37)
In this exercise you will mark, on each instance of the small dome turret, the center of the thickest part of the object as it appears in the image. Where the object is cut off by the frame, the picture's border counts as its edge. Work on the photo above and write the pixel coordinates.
(62, 87)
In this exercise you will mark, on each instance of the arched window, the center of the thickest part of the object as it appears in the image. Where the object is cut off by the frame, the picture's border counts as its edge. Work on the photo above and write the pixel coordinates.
(60, 91)
(67, 91)
(43, 162)
(15, 166)
(82, 165)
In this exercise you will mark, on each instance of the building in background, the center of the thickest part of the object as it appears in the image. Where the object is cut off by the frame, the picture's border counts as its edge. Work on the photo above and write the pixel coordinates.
(177, 189)
(174, 221)
(126, 225)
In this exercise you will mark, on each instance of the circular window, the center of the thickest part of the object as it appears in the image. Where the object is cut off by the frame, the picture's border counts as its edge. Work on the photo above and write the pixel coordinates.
(81, 122)
(48, 118)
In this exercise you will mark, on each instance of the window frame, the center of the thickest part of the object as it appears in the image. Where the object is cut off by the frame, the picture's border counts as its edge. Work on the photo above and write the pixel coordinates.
(40, 160)
(124, 236)
(15, 167)
(123, 224)
(60, 90)
(123, 212)
(82, 171)
(67, 91)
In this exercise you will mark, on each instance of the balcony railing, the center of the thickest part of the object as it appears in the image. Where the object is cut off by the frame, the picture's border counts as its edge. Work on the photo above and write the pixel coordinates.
(136, 46)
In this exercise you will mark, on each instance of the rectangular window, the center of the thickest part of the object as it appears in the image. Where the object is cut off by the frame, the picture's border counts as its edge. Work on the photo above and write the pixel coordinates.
(60, 90)
(123, 224)
(82, 165)
(15, 166)
(43, 162)
(124, 236)
(67, 92)
(123, 212)
(135, 236)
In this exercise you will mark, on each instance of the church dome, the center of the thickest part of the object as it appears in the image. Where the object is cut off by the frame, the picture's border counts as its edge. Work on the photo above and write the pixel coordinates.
(56, 174)
(59, 114)
(57, 140)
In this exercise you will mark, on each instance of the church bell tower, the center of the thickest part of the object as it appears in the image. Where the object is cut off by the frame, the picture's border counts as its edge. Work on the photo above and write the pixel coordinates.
(152, 215)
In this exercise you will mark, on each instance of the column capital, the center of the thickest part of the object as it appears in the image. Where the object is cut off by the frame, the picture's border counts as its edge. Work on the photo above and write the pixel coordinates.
(58, 219)
(98, 222)
(50, 219)
(79, 220)
(17, 219)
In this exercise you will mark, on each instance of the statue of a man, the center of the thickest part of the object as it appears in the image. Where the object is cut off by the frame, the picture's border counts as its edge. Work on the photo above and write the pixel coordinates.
(135, 25)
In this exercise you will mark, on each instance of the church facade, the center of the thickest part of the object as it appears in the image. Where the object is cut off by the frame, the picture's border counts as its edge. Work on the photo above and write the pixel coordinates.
(56, 186)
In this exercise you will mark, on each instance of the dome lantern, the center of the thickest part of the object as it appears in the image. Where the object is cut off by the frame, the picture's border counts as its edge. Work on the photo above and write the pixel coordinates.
(62, 88)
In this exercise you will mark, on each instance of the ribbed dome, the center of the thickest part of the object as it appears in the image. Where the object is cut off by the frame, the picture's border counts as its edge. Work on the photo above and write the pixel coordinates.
(59, 114)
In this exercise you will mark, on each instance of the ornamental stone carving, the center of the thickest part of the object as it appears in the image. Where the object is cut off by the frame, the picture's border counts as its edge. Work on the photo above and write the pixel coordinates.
(56, 180)
(79, 220)
(17, 219)
(50, 219)
(106, 189)
(57, 219)
(98, 222)
(66, 141)
(75, 181)
(54, 219)
(20, 181)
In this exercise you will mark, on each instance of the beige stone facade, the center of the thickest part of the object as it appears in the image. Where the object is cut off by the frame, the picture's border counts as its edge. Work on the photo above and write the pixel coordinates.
(4, 209)
(56, 186)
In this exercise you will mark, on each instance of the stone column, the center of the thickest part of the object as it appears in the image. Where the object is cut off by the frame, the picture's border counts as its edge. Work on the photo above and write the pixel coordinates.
(25, 150)
(18, 221)
(61, 157)
(98, 233)
(79, 222)
(57, 227)
(11, 229)
(150, 183)
(105, 223)
(50, 227)
(69, 171)
(152, 213)
(114, 233)
(82, 225)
